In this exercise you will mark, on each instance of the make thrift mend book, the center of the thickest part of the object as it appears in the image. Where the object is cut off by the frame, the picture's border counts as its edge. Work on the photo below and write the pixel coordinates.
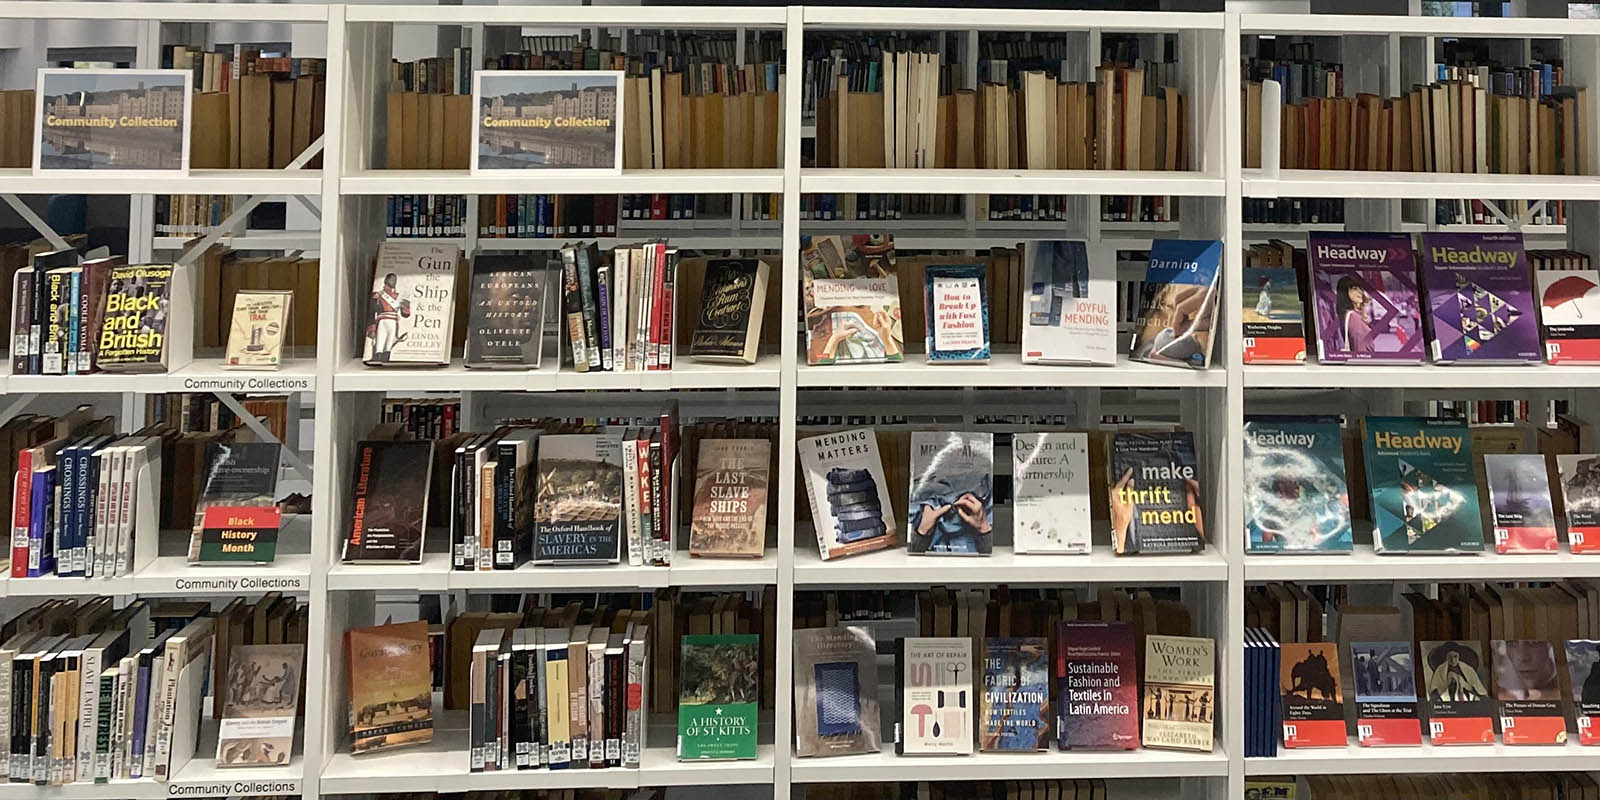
(956, 297)
(719, 690)
(1178, 307)
(1155, 495)
(852, 300)
(1313, 706)
(1071, 306)
(1480, 298)
(1519, 498)
(1295, 498)
(1423, 494)
(850, 505)
(1050, 492)
(1364, 291)
(1386, 694)
(951, 505)
(1014, 715)
(1097, 686)
(933, 677)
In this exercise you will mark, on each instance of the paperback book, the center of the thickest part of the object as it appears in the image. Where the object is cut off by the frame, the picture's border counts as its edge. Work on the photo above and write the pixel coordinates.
(1180, 698)
(956, 299)
(1295, 498)
(1583, 656)
(389, 515)
(391, 686)
(1050, 493)
(133, 333)
(1386, 694)
(1014, 712)
(1480, 298)
(730, 498)
(719, 693)
(260, 697)
(1178, 305)
(1072, 306)
(933, 677)
(1365, 293)
(1424, 497)
(1580, 496)
(1569, 315)
(1527, 686)
(259, 326)
(1097, 687)
(733, 300)
(835, 692)
(578, 514)
(1273, 316)
(1155, 496)
(411, 309)
(505, 316)
(852, 300)
(1519, 496)
(850, 505)
(1313, 707)
(951, 507)
(1455, 677)
(236, 517)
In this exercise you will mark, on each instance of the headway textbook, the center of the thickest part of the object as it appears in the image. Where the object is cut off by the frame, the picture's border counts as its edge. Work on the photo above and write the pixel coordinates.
(1424, 495)
(1365, 294)
(1480, 298)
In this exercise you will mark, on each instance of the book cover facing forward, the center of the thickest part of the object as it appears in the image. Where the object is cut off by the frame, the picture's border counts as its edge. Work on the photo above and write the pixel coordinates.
(260, 695)
(835, 692)
(1456, 680)
(1178, 305)
(1386, 694)
(1313, 709)
(1527, 688)
(1155, 493)
(1580, 495)
(391, 686)
(933, 676)
(1519, 497)
(1180, 696)
(1097, 687)
(730, 498)
(1365, 296)
(1295, 498)
(719, 689)
(578, 515)
(1480, 298)
(1419, 476)
(951, 508)
(852, 300)
(1014, 711)
(1583, 656)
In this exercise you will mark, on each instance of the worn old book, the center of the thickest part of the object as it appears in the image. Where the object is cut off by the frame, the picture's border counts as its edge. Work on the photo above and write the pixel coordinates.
(729, 516)
(852, 300)
(1455, 676)
(260, 697)
(933, 682)
(391, 686)
(133, 333)
(578, 514)
(411, 309)
(1050, 493)
(1527, 686)
(732, 303)
(1423, 495)
(719, 692)
(1386, 694)
(236, 518)
(1295, 499)
(850, 505)
(1097, 686)
(835, 691)
(1155, 494)
(1180, 698)
(505, 315)
(1014, 709)
(1313, 703)
(389, 515)
(258, 330)
(951, 504)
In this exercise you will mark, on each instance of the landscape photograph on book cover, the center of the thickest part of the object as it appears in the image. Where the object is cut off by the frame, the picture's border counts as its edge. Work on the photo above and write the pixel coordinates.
(112, 119)
(539, 120)
(1523, 514)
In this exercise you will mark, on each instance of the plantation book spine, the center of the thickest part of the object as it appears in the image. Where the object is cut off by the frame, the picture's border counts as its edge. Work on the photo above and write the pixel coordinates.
(1424, 496)
(505, 320)
(835, 692)
(956, 299)
(1178, 305)
(1313, 708)
(1456, 679)
(1155, 495)
(1480, 298)
(1097, 687)
(718, 697)
(1072, 302)
(1050, 493)
(1295, 497)
(1528, 690)
(411, 310)
(1386, 694)
(729, 515)
(733, 300)
(133, 337)
(1181, 670)
(1523, 516)
(257, 329)
(933, 677)
(1580, 496)
(849, 496)
(578, 515)
(1364, 292)
(1014, 710)
(389, 515)
(951, 502)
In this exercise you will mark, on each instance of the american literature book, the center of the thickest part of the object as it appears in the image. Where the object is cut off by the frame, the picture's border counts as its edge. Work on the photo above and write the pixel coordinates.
(1580, 495)
(561, 120)
(1313, 711)
(1180, 673)
(1519, 497)
(852, 300)
(1155, 494)
(260, 696)
(730, 498)
(1583, 655)
(411, 309)
(258, 329)
(389, 516)
(238, 491)
(1569, 315)
(1050, 492)
(850, 504)
(133, 334)
(719, 691)
(1364, 292)
(835, 692)
(1097, 687)
(506, 310)
(1527, 687)
(933, 689)
(956, 299)
(1480, 298)
(1014, 711)
(1072, 304)
(951, 507)
(1455, 677)
(733, 300)
(1273, 316)
(1424, 497)
(578, 514)
(1178, 305)
(391, 686)
(1386, 694)
(1295, 498)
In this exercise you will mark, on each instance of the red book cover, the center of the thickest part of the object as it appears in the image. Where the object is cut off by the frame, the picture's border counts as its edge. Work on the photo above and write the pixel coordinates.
(1583, 656)
(1528, 689)
(21, 509)
(1097, 686)
(1386, 694)
(1313, 708)
(1460, 710)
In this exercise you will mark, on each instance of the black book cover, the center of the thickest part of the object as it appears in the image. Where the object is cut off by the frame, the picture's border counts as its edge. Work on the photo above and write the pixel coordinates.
(506, 315)
(235, 474)
(390, 492)
(731, 305)
(1155, 493)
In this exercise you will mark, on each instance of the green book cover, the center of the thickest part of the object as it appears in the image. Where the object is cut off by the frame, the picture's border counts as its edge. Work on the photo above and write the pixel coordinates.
(1424, 495)
(719, 687)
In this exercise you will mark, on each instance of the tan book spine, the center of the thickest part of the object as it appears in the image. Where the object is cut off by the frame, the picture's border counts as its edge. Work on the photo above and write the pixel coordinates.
(1417, 108)
(1105, 125)
(436, 126)
(282, 125)
(1252, 125)
(1400, 134)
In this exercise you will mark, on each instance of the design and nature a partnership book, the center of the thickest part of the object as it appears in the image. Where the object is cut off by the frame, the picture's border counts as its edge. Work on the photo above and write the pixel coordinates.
(1423, 494)
(1480, 298)
(1295, 498)
(951, 505)
(1364, 291)
(1050, 492)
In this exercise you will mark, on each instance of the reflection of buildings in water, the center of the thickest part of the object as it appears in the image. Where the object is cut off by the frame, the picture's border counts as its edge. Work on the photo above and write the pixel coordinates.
(126, 147)
(517, 146)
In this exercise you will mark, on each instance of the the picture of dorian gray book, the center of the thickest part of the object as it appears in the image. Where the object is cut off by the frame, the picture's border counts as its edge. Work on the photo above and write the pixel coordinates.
(570, 120)
(951, 508)
(120, 120)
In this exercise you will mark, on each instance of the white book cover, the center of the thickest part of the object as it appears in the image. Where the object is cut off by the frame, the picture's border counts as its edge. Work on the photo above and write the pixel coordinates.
(412, 305)
(1071, 312)
(1050, 492)
(849, 495)
(936, 696)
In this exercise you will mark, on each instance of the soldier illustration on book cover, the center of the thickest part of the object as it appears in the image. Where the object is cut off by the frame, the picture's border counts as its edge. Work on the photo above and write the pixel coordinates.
(388, 309)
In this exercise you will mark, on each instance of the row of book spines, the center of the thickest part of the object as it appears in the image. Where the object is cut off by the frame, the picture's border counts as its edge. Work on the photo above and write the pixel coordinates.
(546, 216)
(490, 501)
(638, 287)
(706, 131)
(83, 508)
(450, 74)
(428, 131)
(16, 128)
(57, 315)
(875, 205)
(423, 419)
(224, 273)
(192, 213)
(1045, 789)
(262, 122)
(1481, 412)
(1565, 785)
(217, 70)
(1293, 210)
(1476, 212)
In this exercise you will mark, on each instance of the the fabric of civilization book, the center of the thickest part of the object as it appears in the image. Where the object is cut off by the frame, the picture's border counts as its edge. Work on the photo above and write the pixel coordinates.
(1527, 687)
(1273, 316)
(506, 311)
(933, 689)
(719, 691)
(1583, 655)
(1313, 704)
(260, 696)
(391, 686)
(578, 514)
(257, 331)
(1455, 678)
(1580, 496)
(389, 512)
(1072, 304)
(850, 504)
(730, 498)
(852, 300)
(1523, 516)
(1569, 314)
(411, 309)
(1424, 498)
(1295, 497)
(733, 301)
(133, 332)
(1180, 698)
(956, 301)
(1155, 493)
(951, 505)
(1364, 293)
(239, 484)
(1014, 710)
(1097, 686)
(1178, 305)
(835, 692)
(1050, 492)
(1480, 298)
(1386, 694)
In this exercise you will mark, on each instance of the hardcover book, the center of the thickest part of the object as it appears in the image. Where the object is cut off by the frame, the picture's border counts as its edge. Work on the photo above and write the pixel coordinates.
(933, 679)
(1365, 293)
(956, 299)
(849, 496)
(1583, 655)
(852, 300)
(951, 508)
(578, 515)
(1423, 495)
(1050, 492)
(1527, 686)
(412, 307)
(389, 518)
(1180, 700)
(391, 686)
(1455, 677)
(1295, 499)
(835, 691)
(1480, 298)
(730, 498)
(1155, 496)
(505, 317)
(1569, 315)
(241, 477)
(1519, 496)
(1178, 305)
(1313, 709)
(1072, 304)
(260, 697)
(133, 335)
(1014, 711)
(1386, 694)
(1097, 687)
(258, 329)
(733, 300)
(1580, 496)
(719, 691)
(1274, 318)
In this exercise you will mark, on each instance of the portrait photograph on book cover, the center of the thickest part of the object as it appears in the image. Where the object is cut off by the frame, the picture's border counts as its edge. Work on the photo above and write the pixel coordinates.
(121, 120)
(1365, 296)
(568, 120)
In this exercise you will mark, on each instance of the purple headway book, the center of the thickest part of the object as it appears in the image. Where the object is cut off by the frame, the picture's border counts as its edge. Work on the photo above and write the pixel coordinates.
(1480, 298)
(1367, 306)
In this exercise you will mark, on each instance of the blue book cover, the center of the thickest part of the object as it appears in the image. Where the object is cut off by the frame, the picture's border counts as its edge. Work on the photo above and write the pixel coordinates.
(1423, 490)
(42, 525)
(956, 303)
(1178, 307)
(1480, 298)
(1015, 711)
(1295, 497)
(75, 294)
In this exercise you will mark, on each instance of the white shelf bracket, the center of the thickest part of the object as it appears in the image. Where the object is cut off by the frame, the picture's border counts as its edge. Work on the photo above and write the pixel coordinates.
(262, 431)
(310, 206)
(36, 221)
(309, 153)
(20, 402)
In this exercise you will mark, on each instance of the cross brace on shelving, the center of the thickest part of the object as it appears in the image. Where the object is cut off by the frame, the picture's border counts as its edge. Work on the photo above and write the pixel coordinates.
(262, 431)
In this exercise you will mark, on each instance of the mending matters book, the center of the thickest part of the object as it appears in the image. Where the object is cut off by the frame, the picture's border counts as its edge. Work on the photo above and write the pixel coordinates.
(1364, 291)
(1178, 306)
(1072, 306)
(389, 491)
(1155, 493)
(391, 686)
(849, 495)
(1419, 475)
(236, 519)
(719, 692)
(852, 299)
(567, 120)
(505, 311)
(1295, 499)
(835, 692)
(733, 300)
(1097, 686)
(1480, 299)
(113, 120)
(578, 514)
(412, 307)
(951, 505)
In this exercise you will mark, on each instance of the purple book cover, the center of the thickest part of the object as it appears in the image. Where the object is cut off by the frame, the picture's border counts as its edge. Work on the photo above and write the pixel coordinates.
(1097, 686)
(1480, 298)
(1366, 298)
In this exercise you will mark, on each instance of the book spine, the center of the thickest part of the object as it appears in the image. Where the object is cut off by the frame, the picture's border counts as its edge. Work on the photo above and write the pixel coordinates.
(658, 507)
(505, 507)
(39, 319)
(633, 731)
(161, 753)
(42, 505)
(668, 312)
(652, 355)
(21, 319)
(573, 302)
(484, 507)
(141, 718)
(477, 713)
(619, 308)
(95, 513)
(539, 683)
(586, 281)
(21, 512)
(90, 690)
(521, 744)
(647, 536)
(597, 707)
(21, 675)
(74, 319)
(127, 478)
(556, 704)
(104, 719)
(603, 293)
(630, 500)
(55, 339)
(458, 542)
(119, 721)
(506, 700)
(616, 682)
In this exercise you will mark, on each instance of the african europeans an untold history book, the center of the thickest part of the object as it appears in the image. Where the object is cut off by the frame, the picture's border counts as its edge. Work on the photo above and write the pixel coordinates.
(1180, 699)
(505, 318)
(1014, 711)
(133, 333)
(390, 491)
(236, 517)
(1050, 492)
(578, 514)
(256, 332)
(260, 694)
(730, 498)
(1313, 706)
(1419, 475)
(951, 506)
(835, 691)
(1365, 293)
(1480, 298)
(1583, 656)
(850, 505)
(1527, 685)
(956, 298)
(1178, 307)
(719, 689)
(412, 306)
(1456, 683)
(852, 300)
(1386, 694)
(1569, 314)
(1097, 686)
(933, 685)
(1273, 316)
(1071, 306)
(1155, 495)
(1295, 498)
(1519, 499)
(391, 686)
(1580, 495)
